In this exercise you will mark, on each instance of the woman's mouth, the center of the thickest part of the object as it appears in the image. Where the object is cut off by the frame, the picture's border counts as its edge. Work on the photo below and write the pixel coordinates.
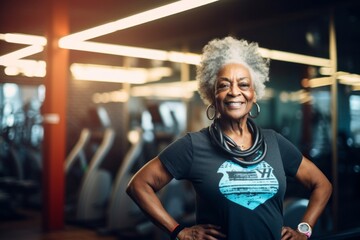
(234, 104)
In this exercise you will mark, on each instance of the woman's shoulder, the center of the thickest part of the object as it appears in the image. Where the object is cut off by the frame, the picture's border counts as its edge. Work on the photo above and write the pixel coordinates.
(190, 136)
(196, 136)
(204, 132)
(269, 131)
(271, 134)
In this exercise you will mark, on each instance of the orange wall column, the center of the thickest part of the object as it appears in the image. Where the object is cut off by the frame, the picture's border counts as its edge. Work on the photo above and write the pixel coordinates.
(54, 112)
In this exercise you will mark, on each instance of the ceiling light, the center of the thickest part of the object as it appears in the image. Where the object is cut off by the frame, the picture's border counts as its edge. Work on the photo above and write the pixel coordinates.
(90, 72)
(356, 88)
(320, 82)
(294, 57)
(136, 52)
(78, 41)
(326, 71)
(103, 73)
(119, 50)
(108, 97)
(343, 77)
(26, 39)
(29, 68)
(134, 20)
(166, 90)
(348, 78)
(10, 58)
(157, 73)
(11, 71)
(189, 58)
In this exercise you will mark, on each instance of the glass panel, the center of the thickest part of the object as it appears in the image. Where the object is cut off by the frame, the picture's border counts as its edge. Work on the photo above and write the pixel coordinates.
(355, 118)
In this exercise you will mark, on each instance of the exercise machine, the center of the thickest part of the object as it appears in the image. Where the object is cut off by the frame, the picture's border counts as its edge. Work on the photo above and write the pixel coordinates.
(87, 204)
(20, 155)
(124, 217)
(123, 214)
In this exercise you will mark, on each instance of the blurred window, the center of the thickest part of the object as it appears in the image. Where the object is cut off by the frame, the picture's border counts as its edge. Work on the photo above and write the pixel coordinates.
(355, 118)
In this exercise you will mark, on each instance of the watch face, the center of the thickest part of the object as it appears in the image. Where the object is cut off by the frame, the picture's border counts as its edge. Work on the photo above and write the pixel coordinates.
(303, 228)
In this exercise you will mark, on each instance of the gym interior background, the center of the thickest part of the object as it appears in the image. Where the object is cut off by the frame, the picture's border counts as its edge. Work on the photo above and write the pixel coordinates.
(141, 102)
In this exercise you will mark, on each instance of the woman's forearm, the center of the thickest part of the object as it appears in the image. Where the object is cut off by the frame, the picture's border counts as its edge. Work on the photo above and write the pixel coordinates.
(146, 198)
(318, 199)
(143, 187)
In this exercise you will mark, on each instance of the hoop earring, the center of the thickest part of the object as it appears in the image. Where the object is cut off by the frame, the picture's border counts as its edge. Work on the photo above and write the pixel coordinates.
(207, 112)
(257, 109)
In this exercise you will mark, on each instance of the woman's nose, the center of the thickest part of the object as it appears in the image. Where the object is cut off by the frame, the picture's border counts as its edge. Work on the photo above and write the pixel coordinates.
(234, 90)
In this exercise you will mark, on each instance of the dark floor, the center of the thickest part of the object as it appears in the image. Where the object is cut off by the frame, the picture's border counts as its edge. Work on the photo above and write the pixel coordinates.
(27, 226)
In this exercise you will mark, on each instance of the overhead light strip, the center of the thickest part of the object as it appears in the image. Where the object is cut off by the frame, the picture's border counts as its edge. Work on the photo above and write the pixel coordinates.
(348, 78)
(105, 73)
(190, 58)
(146, 53)
(294, 57)
(356, 88)
(114, 49)
(166, 90)
(27, 67)
(320, 82)
(134, 20)
(136, 52)
(11, 58)
(78, 41)
(26, 39)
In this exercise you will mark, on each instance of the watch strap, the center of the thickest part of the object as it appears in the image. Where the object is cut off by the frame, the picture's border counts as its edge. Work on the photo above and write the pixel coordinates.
(308, 232)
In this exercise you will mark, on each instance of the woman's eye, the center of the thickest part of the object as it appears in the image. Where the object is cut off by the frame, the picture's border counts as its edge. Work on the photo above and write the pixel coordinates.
(223, 85)
(244, 86)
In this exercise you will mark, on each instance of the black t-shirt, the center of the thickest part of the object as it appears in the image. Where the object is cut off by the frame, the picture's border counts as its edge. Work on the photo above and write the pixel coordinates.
(246, 201)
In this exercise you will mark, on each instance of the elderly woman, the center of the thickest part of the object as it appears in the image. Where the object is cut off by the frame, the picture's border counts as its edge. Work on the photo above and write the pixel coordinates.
(238, 170)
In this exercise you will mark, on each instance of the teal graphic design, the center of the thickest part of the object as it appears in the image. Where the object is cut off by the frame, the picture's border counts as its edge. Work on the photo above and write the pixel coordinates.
(248, 186)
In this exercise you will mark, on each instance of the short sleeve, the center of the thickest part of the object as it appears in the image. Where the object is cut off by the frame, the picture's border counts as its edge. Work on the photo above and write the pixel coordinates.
(290, 155)
(177, 157)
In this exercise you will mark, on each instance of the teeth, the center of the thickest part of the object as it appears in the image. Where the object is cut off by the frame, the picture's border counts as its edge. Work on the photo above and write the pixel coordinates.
(234, 104)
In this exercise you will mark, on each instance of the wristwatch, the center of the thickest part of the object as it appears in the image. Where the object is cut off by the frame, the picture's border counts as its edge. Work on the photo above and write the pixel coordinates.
(305, 229)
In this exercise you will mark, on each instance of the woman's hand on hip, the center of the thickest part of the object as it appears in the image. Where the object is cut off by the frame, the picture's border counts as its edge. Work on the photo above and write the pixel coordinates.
(287, 233)
(201, 232)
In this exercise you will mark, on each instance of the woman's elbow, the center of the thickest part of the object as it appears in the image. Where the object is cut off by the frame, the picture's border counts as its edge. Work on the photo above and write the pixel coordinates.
(329, 188)
(324, 188)
(131, 188)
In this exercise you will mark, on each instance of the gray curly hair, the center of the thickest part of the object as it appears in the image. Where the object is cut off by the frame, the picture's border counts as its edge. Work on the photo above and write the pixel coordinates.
(219, 52)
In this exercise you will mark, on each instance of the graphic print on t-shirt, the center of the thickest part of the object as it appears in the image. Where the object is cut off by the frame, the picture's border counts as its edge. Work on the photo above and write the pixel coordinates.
(248, 186)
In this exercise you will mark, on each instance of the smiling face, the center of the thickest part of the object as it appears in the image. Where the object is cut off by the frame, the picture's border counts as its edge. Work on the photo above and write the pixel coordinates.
(234, 91)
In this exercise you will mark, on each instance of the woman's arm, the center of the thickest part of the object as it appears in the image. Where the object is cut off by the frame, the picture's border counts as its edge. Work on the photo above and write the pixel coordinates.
(313, 179)
(142, 189)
